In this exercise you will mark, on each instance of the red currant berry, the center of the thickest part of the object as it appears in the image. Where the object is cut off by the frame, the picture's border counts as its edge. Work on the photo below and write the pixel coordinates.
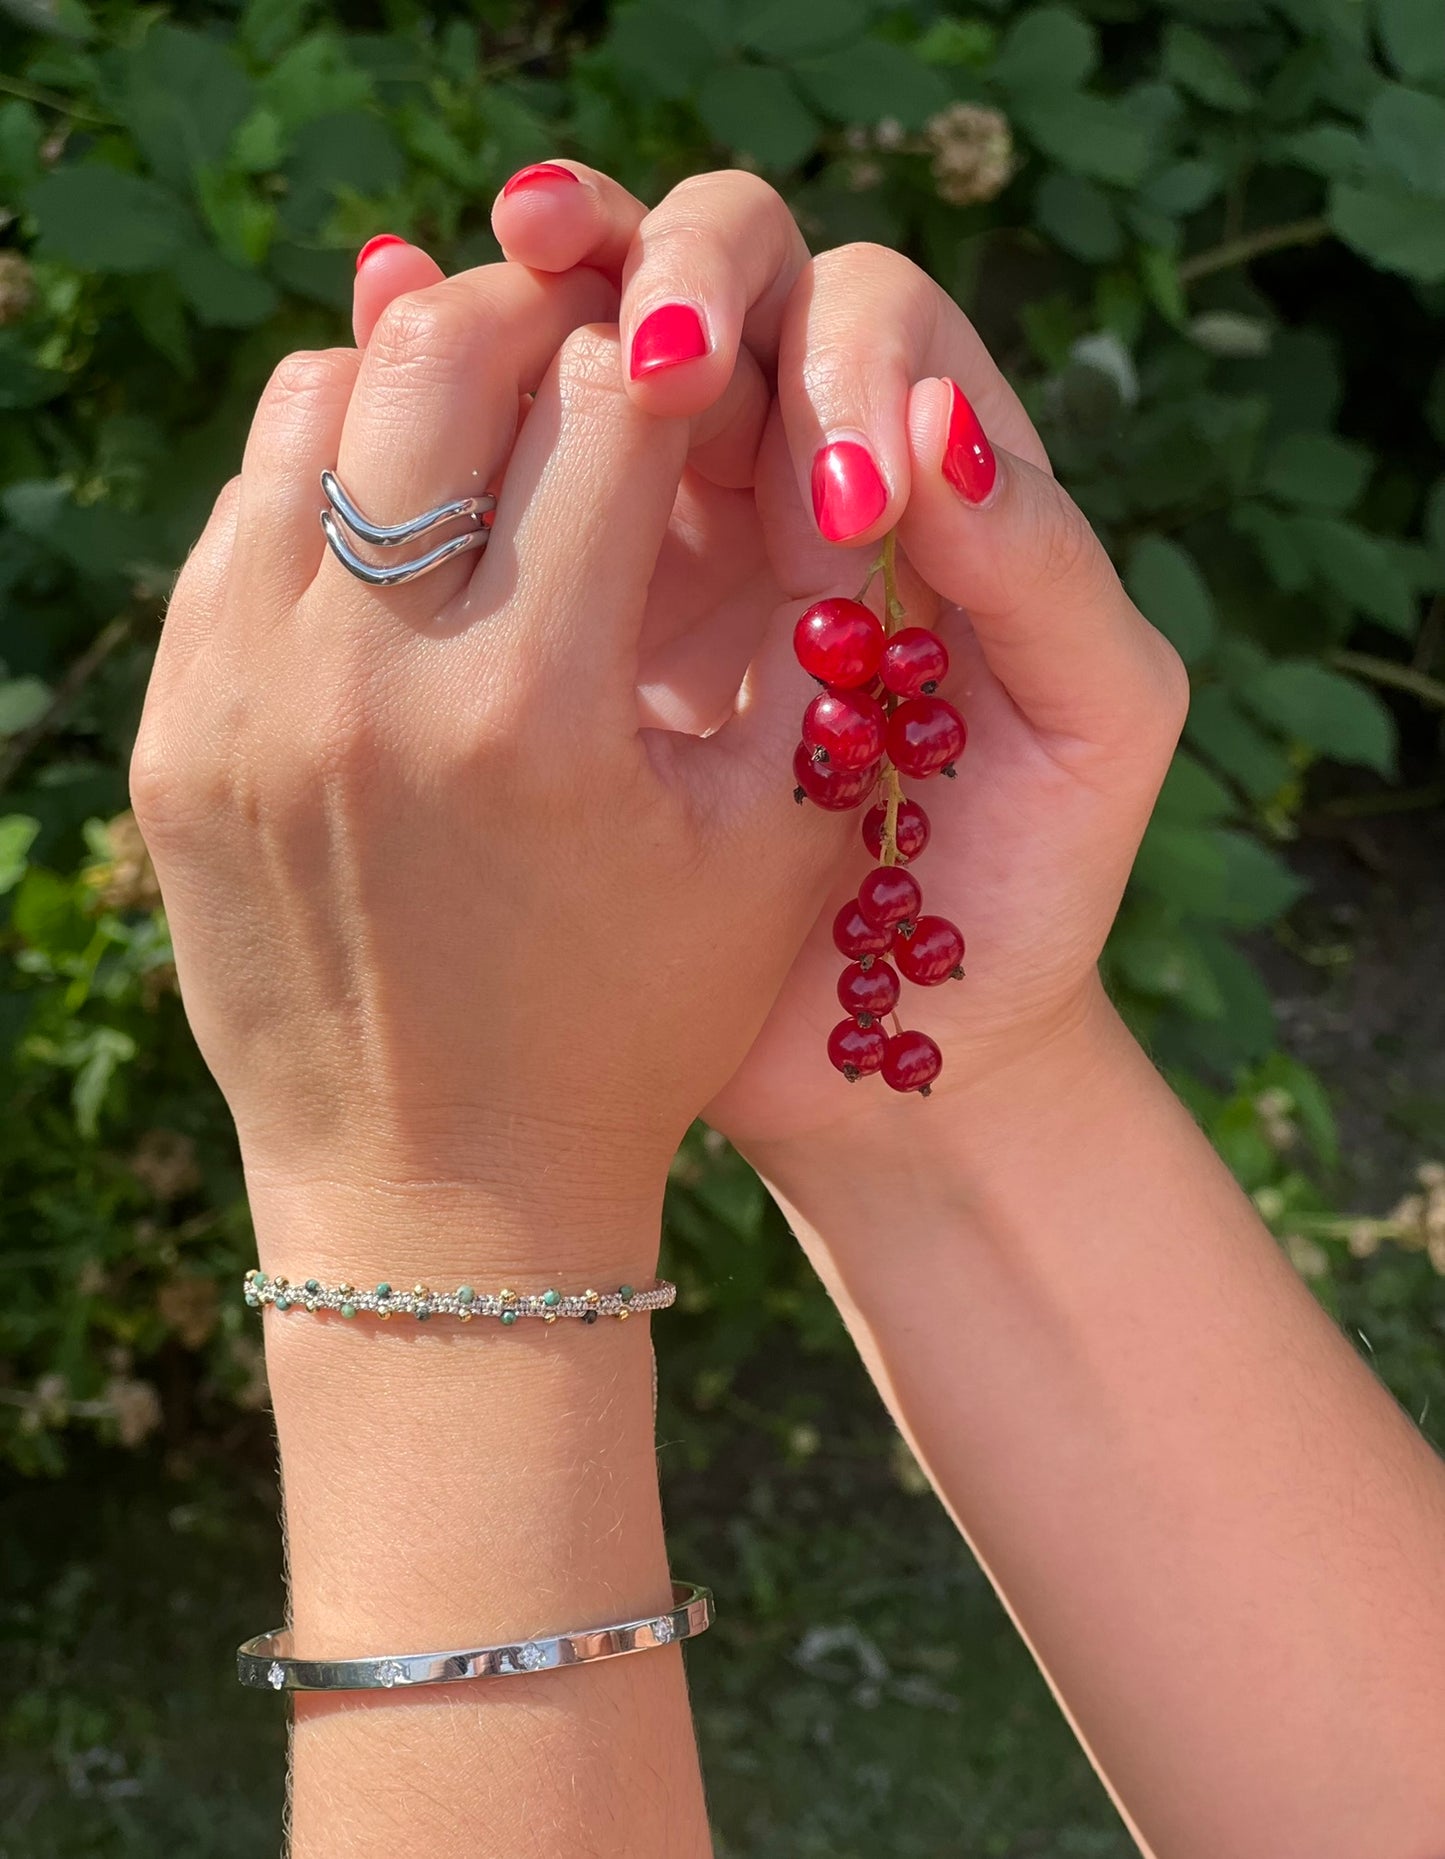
(839, 641)
(933, 953)
(856, 1050)
(925, 735)
(910, 830)
(857, 938)
(869, 992)
(845, 728)
(888, 896)
(836, 790)
(911, 1062)
(915, 662)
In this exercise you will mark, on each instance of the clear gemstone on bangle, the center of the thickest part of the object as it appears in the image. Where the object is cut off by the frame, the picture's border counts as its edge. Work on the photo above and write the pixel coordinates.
(276, 1675)
(531, 1657)
(390, 1673)
(663, 1630)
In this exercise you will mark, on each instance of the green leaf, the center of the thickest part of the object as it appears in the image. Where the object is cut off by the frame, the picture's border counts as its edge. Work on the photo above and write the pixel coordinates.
(267, 27)
(1407, 132)
(1181, 866)
(1169, 966)
(1358, 567)
(755, 111)
(1197, 65)
(46, 915)
(872, 80)
(1078, 216)
(102, 220)
(786, 29)
(356, 152)
(1236, 745)
(1246, 1030)
(1165, 582)
(183, 98)
(1392, 226)
(23, 701)
(21, 134)
(1278, 544)
(660, 49)
(17, 834)
(1258, 886)
(101, 1052)
(1413, 37)
(1433, 520)
(1328, 149)
(315, 78)
(1317, 471)
(23, 381)
(1095, 136)
(1182, 188)
(1191, 796)
(223, 295)
(1049, 49)
(957, 42)
(1160, 273)
(1327, 712)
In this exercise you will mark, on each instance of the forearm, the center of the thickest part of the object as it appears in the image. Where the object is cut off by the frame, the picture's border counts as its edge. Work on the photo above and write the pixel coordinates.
(1218, 1533)
(458, 1485)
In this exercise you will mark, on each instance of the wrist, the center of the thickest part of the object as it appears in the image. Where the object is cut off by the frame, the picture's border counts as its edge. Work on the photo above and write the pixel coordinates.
(963, 1146)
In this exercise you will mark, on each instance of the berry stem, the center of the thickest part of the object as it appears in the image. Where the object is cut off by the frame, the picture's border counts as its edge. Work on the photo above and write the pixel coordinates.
(893, 616)
(875, 568)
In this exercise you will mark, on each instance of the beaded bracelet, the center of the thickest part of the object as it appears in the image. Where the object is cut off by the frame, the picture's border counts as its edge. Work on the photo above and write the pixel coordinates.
(464, 1303)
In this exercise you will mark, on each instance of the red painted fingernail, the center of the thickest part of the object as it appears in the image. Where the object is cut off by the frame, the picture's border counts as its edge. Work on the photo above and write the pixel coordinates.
(375, 245)
(667, 335)
(848, 492)
(540, 174)
(968, 460)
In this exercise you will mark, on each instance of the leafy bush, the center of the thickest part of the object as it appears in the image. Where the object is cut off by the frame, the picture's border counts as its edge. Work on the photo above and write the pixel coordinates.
(1205, 237)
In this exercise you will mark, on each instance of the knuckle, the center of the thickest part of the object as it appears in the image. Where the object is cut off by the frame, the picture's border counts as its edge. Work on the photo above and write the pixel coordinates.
(1171, 676)
(590, 361)
(422, 335)
(1065, 551)
(306, 379)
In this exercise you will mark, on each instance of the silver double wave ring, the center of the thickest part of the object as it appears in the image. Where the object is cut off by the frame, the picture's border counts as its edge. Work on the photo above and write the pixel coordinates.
(343, 516)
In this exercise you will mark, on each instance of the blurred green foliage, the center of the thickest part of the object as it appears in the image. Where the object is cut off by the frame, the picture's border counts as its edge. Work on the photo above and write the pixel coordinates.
(1206, 239)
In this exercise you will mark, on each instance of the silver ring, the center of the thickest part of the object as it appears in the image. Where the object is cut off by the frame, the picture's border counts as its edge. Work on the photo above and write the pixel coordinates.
(268, 1663)
(397, 535)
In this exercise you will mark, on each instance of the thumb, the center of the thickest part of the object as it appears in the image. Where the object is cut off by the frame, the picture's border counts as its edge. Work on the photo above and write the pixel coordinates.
(1001, 539)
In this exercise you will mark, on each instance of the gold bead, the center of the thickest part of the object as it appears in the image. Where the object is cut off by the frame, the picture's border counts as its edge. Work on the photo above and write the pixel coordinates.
(346, 1291)
(420, 1291)
(507, 1296)
(464, 1315)
(383, 1313)
(592, 1297)
(623, 1313)
(549, 1316)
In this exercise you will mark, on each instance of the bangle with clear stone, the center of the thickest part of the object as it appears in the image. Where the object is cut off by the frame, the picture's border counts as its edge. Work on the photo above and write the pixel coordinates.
(266, 1662)
(465, 1303)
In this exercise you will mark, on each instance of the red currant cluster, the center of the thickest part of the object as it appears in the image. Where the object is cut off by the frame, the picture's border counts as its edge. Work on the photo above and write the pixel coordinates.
(878, 718)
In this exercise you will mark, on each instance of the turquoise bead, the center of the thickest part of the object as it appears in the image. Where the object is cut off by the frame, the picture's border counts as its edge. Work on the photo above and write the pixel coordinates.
(509, 1316)
(551, 1299)
(348, 1310)
(626, 1293)
(283, 1303)
(313, 1285)
(383, 1290)
(466, 1295)
(422, 1314)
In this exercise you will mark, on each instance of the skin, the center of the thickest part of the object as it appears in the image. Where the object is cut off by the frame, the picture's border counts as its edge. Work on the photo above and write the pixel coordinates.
(471, 921)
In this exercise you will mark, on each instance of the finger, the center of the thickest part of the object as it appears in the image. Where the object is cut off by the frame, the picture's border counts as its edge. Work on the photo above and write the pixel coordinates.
(590, 492)
(295, 435)
(387, 267)
(198, 597)
(998, 537)
(434, 412)
(557, 214)
(709, 269)
(862, 324)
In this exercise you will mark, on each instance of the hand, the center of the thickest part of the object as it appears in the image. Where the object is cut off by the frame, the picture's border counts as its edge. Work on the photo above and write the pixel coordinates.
(1074, 701)
(442, 913)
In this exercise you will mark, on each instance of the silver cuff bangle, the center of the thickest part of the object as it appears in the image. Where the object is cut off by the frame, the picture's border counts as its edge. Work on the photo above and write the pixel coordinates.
(266, 1663)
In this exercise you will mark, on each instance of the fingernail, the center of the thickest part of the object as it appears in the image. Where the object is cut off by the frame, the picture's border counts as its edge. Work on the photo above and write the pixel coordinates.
(968, 460)
(848, 491)
(375, 245)
(667, 335)
(540, 174)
